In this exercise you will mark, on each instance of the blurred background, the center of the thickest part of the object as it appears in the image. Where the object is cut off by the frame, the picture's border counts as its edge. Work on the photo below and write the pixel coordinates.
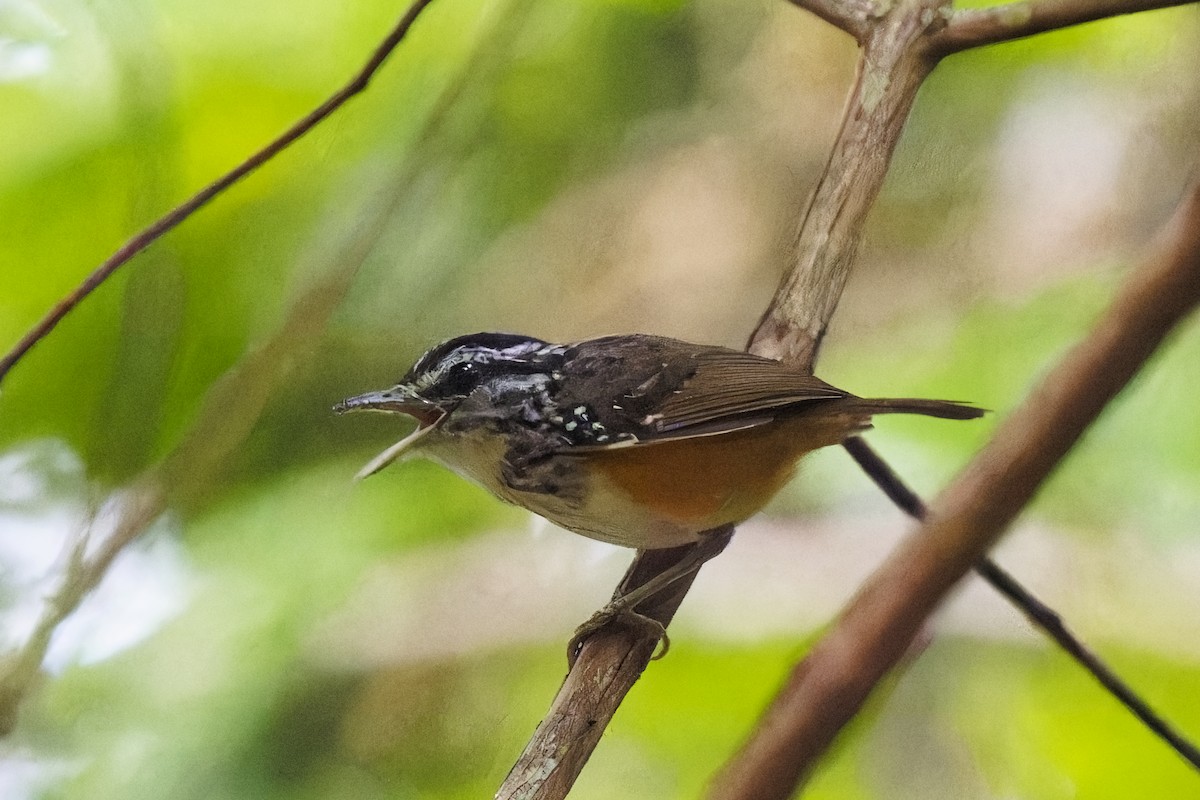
(564, 169)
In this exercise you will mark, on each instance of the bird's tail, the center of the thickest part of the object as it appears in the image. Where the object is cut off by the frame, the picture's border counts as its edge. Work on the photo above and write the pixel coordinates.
(946, 409)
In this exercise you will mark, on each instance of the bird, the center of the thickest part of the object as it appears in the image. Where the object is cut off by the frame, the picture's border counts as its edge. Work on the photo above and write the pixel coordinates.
(638, 440)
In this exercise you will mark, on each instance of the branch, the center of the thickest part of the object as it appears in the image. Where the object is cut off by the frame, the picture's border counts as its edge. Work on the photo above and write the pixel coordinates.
(822, 254)
(852, 16)
(1037, 612)
(890, 71)
(230, 408)
(832, 683)
(975, 27)
(228, 412)
(181, 212)
(610, 662)
(234, 402)
(896, 58)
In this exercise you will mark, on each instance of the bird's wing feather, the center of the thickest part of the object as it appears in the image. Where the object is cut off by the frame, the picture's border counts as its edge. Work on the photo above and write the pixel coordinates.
(729, 385)
(722, 391)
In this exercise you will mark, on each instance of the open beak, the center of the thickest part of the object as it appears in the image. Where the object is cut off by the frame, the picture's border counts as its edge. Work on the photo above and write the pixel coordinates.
(399, 399)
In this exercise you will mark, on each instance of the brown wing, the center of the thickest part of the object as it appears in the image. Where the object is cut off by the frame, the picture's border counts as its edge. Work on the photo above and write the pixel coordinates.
(658, 389)
(737, 390)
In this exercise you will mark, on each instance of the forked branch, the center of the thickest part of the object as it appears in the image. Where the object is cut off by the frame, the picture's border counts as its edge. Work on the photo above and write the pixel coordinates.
(830, 685)
(890, 71)
(897, 55)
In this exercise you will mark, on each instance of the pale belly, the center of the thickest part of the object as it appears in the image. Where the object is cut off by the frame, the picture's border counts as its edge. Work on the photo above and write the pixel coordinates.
(663, 494)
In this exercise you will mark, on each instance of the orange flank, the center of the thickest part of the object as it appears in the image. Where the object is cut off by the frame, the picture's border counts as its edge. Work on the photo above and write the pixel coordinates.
(707, 481)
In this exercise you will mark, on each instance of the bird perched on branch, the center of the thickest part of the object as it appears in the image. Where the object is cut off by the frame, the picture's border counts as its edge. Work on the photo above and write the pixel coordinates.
(642, 441)
(637, 440)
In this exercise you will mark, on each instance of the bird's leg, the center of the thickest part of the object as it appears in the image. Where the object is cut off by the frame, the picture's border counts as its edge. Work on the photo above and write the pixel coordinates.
(622, 609)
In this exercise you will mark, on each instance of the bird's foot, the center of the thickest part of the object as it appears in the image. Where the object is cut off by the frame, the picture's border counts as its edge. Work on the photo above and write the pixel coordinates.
(617, 613)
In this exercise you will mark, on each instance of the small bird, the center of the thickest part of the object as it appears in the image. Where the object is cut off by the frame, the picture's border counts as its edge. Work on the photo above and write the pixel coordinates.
(638, 440)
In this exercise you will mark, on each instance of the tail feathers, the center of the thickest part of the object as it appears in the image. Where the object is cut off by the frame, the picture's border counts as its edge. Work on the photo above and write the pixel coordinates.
(945, 409)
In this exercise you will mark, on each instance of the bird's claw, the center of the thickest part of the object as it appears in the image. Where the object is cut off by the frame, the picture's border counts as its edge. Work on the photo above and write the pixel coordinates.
(617, 613)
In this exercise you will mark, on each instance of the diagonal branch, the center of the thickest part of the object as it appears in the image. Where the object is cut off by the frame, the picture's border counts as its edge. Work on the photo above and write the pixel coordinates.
(228, 412)
(896, 58)
(891, 70)
(234, 402)
(140, 506)
(609, 663)
(831, 684)
(156, 229)
(822, 254)
(975, 27)
(1037, 612)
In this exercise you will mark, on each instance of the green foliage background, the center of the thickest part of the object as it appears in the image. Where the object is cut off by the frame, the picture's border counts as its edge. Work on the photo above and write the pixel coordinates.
(480, 183)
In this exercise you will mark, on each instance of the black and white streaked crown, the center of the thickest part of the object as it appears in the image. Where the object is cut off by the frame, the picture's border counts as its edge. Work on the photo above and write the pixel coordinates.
(456, 367)
(518, 374)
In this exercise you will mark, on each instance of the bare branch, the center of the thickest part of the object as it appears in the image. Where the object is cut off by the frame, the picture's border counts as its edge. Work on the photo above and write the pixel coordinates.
(824, 248)
(184, 210)
(895, 61)
(852, 16)
(891, 70)
(974, 27)
(606, 668)
(831, 684)
(234, 402)
(1041, 615)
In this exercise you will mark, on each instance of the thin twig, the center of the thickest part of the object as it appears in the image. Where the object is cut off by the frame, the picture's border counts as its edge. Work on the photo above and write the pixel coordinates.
(831, 684)
(232, 403)
(235, 401)
(184, 210)
(974, 27)
(1040, 614)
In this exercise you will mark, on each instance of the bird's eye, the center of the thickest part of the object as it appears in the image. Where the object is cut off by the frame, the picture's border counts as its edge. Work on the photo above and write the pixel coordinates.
(460, 379)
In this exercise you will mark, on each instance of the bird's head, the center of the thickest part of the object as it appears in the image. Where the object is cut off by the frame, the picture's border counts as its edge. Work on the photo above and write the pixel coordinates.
(443, 378)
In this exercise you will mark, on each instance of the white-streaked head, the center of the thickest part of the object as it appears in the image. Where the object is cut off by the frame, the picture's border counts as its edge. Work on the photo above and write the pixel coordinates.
(445, 376)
